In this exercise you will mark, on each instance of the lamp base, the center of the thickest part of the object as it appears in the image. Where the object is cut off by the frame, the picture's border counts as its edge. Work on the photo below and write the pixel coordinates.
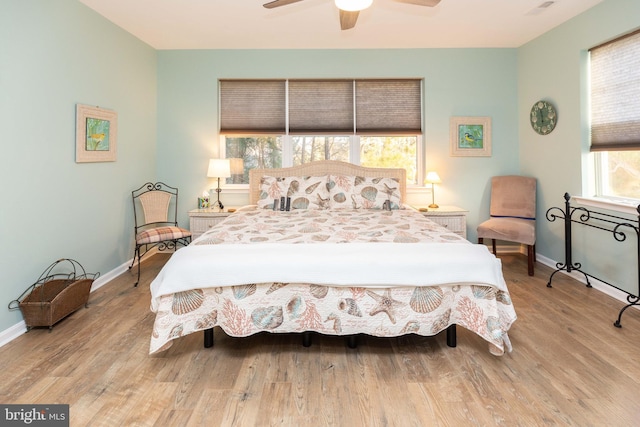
(433, 206)
(218, 202)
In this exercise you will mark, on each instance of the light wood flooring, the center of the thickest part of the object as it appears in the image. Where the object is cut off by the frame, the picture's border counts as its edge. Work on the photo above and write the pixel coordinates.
(569, 367)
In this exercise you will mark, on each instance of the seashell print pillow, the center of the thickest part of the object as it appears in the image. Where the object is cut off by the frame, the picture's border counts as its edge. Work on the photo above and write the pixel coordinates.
(358, 192)
(308, 192)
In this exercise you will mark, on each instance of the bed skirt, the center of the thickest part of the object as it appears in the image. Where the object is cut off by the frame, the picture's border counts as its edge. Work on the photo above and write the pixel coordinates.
(383, 312)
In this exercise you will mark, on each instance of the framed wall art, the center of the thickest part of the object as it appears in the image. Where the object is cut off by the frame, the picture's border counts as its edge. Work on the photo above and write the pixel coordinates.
(470, 136)
(96, 134)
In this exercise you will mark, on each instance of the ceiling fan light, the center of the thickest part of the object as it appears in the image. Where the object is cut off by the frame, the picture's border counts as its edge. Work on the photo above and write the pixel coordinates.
(353, 5)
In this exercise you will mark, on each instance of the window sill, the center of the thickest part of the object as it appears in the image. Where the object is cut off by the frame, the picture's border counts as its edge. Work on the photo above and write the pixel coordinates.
(611, 205)
(234, 188)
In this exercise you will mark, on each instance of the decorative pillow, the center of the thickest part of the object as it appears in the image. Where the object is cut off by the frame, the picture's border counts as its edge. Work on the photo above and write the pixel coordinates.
(309, 192)
(358, 192)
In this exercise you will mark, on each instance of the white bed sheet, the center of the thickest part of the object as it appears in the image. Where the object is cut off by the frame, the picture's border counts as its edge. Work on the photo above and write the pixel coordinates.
(355, 248)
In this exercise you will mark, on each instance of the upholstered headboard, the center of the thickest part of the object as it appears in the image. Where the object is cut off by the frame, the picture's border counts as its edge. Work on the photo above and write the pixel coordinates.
(325, 167)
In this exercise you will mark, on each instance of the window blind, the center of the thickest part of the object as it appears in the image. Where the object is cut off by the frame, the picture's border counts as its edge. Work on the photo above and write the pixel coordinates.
(252, 106)
(317, 107)
(388, 106)
(615, 94)
(331, 106)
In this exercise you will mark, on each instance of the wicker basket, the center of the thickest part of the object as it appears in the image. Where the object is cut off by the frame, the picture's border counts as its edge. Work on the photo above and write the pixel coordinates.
(55, 294)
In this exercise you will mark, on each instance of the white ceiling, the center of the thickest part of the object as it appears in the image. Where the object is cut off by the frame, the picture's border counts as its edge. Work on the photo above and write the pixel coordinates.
(314, 24)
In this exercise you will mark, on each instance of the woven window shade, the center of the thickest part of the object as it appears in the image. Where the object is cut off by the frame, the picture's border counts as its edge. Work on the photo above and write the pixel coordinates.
(384, 106)
(615, 94)
(252, 107)
(388, 107)
(317, 107)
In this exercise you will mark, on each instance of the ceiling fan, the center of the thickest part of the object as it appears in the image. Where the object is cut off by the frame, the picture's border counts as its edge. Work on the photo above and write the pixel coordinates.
(349, 9)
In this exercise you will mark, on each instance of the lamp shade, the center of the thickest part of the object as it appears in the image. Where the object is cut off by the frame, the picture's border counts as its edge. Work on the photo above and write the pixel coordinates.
(219, 168)
(432, 178)
(353, 5)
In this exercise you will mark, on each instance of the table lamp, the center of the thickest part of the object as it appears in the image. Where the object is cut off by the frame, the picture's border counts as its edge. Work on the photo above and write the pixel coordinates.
(219, 168)
(432, 178)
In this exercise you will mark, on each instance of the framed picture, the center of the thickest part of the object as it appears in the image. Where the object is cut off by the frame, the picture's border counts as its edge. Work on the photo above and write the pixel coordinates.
(96, 134)
(470, 136)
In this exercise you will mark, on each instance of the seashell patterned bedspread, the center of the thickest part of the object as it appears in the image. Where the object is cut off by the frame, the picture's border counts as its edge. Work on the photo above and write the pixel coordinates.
(246, 309)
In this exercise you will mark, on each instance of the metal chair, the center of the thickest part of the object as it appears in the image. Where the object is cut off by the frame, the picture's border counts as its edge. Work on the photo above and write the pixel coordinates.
(155, 210)
(513, 214)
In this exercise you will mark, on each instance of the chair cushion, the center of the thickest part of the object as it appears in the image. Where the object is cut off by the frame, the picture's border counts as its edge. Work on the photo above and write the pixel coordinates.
(513, 196)
(160, 234)
(509, 229)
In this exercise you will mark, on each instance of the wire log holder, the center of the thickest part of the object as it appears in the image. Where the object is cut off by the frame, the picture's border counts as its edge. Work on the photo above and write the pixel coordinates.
(616, 225)
(60, 290)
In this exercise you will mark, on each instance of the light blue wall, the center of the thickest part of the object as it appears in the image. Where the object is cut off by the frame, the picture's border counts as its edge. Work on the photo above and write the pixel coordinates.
(554, 67)
(457, 82)
(54, 54)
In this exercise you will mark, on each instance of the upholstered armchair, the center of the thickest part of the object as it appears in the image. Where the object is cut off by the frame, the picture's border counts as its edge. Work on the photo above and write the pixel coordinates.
(512, 214)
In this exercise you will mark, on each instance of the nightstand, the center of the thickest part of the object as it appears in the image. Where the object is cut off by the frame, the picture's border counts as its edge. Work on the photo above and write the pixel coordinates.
(450, 217)
(201, 220)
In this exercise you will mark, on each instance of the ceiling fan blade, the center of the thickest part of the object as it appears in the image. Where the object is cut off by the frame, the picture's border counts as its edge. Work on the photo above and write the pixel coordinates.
(429, 3)
(348, 19)
(278, 3)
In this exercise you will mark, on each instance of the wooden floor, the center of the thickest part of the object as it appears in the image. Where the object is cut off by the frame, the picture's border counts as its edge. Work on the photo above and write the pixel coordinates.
(569, 367)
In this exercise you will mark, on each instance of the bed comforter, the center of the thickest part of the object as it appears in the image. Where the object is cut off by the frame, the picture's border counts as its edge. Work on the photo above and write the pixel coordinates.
(342, 272)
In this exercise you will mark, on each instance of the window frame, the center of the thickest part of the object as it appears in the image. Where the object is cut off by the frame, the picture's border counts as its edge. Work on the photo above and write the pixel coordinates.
(601, 180)
(401, 92)
(599, 150)
(354, 154)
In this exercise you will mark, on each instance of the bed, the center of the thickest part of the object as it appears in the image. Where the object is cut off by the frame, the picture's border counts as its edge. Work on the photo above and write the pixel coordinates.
(329, 247)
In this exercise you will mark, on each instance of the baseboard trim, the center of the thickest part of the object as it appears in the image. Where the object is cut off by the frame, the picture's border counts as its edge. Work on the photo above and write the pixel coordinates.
(106, 278)
(20, 328)
(507, 249)
(12, 332)
(595, 283)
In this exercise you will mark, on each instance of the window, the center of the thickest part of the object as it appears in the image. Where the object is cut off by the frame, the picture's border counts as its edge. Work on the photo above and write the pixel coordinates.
(387, 152)
(252, 152)
(311, 148)
(280, 123)
(615, 117)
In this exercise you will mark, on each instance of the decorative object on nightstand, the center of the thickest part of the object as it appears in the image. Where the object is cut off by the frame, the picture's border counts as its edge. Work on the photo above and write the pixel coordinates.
(433, 178)
(219, 168)
(203, 202)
